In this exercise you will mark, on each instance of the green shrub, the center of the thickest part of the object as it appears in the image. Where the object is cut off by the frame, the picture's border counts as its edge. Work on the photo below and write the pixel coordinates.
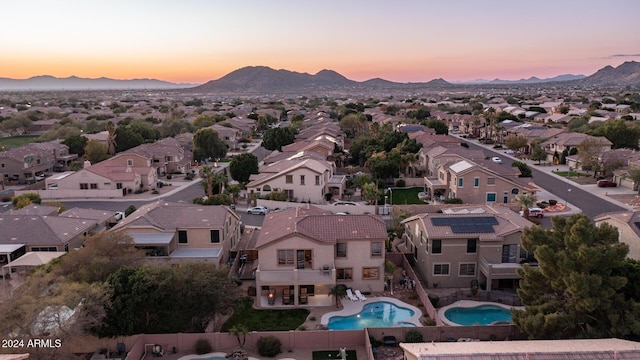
(413, 336)
(427, 321)
(400, 183)
(434, 298)
(269, 346)
(453, 201)
(203, 346)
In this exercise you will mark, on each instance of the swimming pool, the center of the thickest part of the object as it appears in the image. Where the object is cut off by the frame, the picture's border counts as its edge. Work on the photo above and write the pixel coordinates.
(374, 314)
(467, 313)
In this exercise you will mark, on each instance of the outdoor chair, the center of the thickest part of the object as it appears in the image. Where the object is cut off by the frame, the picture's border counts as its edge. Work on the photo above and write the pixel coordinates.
(351, 296)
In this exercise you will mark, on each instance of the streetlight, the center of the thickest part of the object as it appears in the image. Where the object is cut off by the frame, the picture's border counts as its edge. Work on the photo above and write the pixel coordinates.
(390, 196)
(566, 198)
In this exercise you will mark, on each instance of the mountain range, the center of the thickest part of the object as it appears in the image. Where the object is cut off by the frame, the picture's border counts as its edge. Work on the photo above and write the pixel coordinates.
(265, 80)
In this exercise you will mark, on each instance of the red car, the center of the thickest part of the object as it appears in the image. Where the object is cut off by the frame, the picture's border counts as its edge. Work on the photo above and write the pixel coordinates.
(606, 183)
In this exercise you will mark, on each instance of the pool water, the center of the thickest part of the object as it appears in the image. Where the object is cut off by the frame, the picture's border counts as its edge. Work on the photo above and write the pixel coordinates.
(479, 315)
(376, 314)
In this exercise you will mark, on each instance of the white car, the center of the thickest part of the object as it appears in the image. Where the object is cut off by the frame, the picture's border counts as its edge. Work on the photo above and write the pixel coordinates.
(496, 160)
(350, 203)
(258, 210)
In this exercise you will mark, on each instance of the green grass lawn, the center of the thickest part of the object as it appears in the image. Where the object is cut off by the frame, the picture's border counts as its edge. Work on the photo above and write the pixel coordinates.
(333, 354)
(570, 174)
(265, 320)
(16, 141)
(406, 196)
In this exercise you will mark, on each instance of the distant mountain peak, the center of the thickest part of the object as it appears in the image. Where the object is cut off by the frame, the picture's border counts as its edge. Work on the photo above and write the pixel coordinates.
(48, 82)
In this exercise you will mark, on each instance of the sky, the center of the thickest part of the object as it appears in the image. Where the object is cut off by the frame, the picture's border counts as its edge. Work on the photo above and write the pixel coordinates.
(194, 41)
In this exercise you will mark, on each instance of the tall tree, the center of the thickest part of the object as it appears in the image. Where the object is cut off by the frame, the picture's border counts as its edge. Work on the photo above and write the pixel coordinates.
(208, 144)
(111, 138)
(276, 138)
(206, 173)
(95, 151)
(76, 144)
(590, 154)
(573, 292)
(526, 201)
(538, 153)
(242, 166)
(516, 142)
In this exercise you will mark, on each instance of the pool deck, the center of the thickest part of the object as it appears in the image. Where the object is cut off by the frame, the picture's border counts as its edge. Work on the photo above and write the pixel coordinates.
(354, 307)
(469, 304)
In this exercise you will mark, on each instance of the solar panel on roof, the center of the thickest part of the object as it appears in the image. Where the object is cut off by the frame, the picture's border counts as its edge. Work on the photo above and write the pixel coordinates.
(465, 225)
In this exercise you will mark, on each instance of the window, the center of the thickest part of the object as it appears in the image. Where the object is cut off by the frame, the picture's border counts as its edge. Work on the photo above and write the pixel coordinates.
(476, 182)
(441, 176)
(344, 274)
(509, 253)
(118, 185)
(372, 273)
(129, 162)
(215, 236)
(45, 248)
(289, 179)
(66, 247)
(491, 181)
(84, 186)
(93, 186)
(289, 194)
(436, 247)
(182, 237)
(341, 250)
(285, 257)
(515, 191)
(491, 197)
(472, 246)
(460, 182)
(440, 269)
(301, 179)
(467, 269)
(317, 179)
(376, 249)
(266, 188)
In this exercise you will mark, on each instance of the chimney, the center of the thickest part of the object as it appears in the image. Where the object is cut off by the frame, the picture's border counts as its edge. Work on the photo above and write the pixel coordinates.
(86, 164)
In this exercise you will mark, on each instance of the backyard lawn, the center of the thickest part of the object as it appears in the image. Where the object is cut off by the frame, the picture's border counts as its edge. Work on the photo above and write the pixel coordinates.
(265, 320)
(406, 196)
(16, 141)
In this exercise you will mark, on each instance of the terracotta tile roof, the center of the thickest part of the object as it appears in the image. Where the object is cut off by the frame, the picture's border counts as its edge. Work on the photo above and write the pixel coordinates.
(320, 225)
(172, 215)
(35, 209)
(41, 230)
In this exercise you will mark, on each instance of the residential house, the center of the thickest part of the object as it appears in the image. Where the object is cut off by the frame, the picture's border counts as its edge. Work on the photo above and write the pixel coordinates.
(585, 349)
(44, 232)
(304, 251)
(480, 182)
(324, 147)
(230, 136)
(463, 244)
(42, 126)
(25, 162)
(178, 232)
(60, 154)
(166, 156)
(430, 158)
(304, 179)
(568, 141)
(628, 225)
(622, 176)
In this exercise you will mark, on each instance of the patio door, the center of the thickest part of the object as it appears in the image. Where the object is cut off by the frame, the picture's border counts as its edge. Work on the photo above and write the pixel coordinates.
(300, 259)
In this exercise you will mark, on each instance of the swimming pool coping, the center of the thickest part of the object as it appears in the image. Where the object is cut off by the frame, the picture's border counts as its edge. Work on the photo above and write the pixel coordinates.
(354, 307)
(470, 304)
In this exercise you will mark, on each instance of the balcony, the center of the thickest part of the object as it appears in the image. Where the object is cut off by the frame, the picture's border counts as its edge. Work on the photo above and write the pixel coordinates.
(499, 270)
(297, 276)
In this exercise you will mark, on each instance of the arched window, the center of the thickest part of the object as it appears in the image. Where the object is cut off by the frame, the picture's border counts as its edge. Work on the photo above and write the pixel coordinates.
(266, 188)
(515, 191)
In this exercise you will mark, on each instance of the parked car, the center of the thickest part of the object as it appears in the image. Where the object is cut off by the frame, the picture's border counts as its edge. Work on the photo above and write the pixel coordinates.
(496, 160)
(119, 215)
(606, 183)
(258, 210)
(534, 212)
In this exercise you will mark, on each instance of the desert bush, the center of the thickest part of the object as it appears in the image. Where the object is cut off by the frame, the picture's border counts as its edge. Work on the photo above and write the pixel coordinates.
(269, 346)
(203, 346)
(413, 336)
(434, 298)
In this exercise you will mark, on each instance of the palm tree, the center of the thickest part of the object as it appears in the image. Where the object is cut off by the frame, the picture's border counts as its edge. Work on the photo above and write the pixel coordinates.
(206, 172)
(389, 270)
(234, 191)
(526, 200)
(111, 137)
(238, 330)
(219, 179)
(339, 291)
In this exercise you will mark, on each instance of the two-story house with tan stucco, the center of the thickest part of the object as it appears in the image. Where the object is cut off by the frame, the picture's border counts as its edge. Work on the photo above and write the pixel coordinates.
(628, 225)
(25, 163)
(304, 251)
(569, 141)
(167, 156)
(178, 232)
(463, 244)
(477, 183)
(301, 179)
